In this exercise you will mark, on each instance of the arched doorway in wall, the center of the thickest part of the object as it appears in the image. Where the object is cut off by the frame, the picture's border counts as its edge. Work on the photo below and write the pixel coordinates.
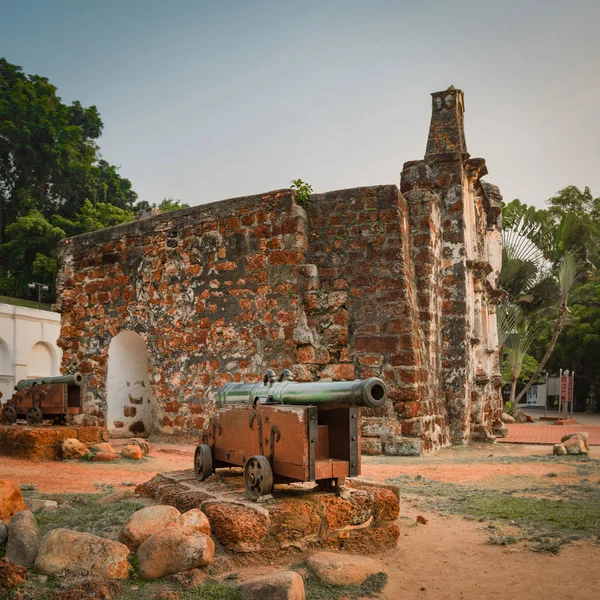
(6, 372)
(128, 392)
(42, 361)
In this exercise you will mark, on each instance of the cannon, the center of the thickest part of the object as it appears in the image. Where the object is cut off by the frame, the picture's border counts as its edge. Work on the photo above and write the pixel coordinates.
(45, 398)
(282, 431)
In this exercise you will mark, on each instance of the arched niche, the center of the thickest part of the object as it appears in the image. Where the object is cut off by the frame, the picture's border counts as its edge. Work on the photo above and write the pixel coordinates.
(128, 392)
(6, 372)
(42, 361)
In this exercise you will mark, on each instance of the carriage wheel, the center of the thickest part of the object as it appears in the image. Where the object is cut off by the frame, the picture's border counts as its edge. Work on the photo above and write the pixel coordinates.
(258, 477)
(9, 414)
(330, 485)
(34, 415)
(203, 462)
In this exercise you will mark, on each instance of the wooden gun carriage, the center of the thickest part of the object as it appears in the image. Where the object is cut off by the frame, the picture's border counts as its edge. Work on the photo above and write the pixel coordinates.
(45, 398)
(283, 431)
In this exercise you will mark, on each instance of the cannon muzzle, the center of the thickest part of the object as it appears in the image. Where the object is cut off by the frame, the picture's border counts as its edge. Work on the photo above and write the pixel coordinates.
(370, 393)
(76, 379)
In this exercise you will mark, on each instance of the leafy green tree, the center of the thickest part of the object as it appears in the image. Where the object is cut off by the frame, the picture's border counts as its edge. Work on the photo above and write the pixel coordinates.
(92, 217)
(169, 204)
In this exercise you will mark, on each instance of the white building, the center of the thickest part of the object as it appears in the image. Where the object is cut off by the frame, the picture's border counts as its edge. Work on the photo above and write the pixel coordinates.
(27, 345)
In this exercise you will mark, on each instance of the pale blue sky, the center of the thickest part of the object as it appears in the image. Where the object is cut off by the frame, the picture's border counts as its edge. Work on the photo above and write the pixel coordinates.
(209, 100)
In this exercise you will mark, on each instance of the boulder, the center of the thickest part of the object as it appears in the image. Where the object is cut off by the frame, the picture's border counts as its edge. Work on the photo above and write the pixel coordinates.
(121, 495)
(520, 416)
(559, 450)
(172, 550)
(23, 539)
(282, 585)
(3, 533)
(79, 553)
(343, 569)
(194, 521)
(143, 444)
(584, 435)
(37, 503)
(145, 522)
(11, 500)
(105, 456)
(506, 418)
(72, 448)
(11, 575)
(575, 445)
(103, 447)
(132, 452)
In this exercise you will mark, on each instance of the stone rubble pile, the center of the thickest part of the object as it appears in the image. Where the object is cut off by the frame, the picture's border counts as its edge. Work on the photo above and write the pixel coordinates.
(135, 449)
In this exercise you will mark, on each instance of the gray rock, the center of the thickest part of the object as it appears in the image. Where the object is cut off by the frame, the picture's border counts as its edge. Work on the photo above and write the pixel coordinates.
(3, 533)
(506, 418)
(23, 539)
(559, 450)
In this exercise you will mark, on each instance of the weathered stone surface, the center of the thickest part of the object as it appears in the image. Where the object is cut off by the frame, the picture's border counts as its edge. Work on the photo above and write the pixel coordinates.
(37, 503)
(282, 585)
(90, 588)
(194, 521)
(343, 569)
(132, 452)
(575, 445)
(72, 448)
(80, 553)
(236, 527)
(11, 500)
(127, 493)
(145, 522)
(350, 509)
(294, 520)
(584, 435)
(143, 444)
(11, 575)
(506, 418)
(559, 450)
(103, 447)
(149, 489)
(172, 550)
(106, 456)
(23, 539)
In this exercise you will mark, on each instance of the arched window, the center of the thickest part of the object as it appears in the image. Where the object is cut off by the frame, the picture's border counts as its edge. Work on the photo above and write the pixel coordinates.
(42, 361)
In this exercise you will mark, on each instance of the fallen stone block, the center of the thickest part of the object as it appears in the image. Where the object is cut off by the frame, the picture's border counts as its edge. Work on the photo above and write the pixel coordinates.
(23, 539)
(506, 418)
(584, 435)
(146, 522)
(132, 452)
(105, 456)
(283, 585)
(172, 550)
(72, 448)
(79, 553)
(11, 500)
(103, 447)
(343, 569)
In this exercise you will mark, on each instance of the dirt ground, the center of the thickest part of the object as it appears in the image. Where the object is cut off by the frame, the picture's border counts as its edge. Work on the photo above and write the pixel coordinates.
(450, 557)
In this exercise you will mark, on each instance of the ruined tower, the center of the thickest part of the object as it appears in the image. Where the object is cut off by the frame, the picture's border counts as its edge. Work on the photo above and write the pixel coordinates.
(373, 281)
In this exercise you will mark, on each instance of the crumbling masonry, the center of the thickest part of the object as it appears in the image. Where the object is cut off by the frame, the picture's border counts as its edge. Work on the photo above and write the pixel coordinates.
(397, 283)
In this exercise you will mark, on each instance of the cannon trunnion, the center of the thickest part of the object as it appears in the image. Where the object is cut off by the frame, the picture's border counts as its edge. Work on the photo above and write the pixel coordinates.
(281, 431)
(45, 398)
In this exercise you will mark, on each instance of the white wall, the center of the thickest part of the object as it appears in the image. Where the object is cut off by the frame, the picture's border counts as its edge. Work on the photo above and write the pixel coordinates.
(27, 345)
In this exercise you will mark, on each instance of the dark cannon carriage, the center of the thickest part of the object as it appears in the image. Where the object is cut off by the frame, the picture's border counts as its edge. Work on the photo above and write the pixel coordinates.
(45, 398)
(283, 431)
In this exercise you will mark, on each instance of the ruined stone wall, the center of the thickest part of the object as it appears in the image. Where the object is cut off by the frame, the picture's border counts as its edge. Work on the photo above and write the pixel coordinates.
(376, 281)
(212, 290)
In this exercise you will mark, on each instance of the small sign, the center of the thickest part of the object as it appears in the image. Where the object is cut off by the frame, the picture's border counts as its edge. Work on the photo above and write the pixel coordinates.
(570, 394)
(563, 388)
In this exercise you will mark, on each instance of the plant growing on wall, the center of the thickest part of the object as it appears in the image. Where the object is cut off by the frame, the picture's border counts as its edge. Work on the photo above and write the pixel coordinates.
(303, 192)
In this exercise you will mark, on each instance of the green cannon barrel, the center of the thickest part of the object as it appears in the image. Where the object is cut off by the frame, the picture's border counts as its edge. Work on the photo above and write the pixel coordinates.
(370, 393)
(76, 379)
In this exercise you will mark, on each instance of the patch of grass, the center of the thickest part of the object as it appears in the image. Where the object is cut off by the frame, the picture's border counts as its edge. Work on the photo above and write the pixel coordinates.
(82, 513)
(24, 303)
(212, 590)
(320, 590)
(502, 540)
(572, 512)
(548, 545)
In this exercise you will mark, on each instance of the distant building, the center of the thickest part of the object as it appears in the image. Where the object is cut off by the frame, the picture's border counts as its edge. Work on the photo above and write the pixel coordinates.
(27, 345)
